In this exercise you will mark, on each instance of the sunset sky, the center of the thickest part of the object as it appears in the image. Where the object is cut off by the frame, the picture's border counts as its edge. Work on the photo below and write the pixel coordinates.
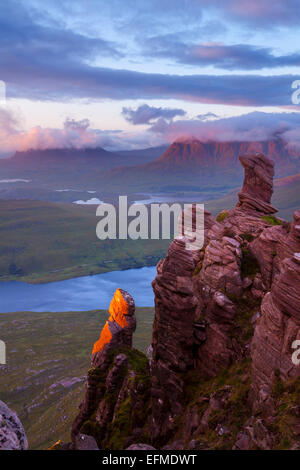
(131, 74)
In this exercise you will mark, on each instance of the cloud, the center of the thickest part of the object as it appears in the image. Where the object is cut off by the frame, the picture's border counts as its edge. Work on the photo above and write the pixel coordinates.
(157, 15)
(228, 57)
(146, 114)
(30, 37)
(259, 13)
(206, 116)
(64, 83)
(255, 126)
(44, 60)
(73, 134)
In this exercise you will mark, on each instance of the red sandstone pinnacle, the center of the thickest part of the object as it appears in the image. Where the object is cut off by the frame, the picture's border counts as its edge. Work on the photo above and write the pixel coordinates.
(117, 332)
(257, 189)
(118, 329)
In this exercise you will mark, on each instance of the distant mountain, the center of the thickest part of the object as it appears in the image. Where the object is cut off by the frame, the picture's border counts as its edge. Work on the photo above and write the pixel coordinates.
(188, 165)
(140, 156)
(217, 156)
(79, 167)
(192, 163)
(61, 157)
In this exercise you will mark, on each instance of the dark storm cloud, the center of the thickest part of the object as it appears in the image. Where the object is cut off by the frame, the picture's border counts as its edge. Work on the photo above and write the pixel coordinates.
(146, 114)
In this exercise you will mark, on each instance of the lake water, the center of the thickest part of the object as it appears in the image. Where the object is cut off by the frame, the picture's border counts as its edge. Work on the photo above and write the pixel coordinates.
(81, 293)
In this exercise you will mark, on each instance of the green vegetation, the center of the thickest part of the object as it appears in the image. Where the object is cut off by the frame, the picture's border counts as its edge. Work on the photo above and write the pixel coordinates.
(247, 237)
(48, 358)
(246, 307)
(220, 217)
(271, 219)
(134, 376)
(44, 242)
(287, 403)
(232, 415)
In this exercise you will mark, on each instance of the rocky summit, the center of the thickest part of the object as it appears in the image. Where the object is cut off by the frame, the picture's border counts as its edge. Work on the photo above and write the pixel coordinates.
(220, 372)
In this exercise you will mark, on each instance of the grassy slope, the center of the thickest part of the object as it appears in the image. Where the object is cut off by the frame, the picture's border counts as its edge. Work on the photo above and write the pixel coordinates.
(58, 241)
(44, 349)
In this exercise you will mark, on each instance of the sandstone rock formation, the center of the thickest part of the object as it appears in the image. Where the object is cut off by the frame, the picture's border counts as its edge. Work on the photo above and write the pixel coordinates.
(257, 189)
(12, 434)
(277, 329)
(175, 306)
(208, 304)
(113, 409)
(226, 318)
(118, 329)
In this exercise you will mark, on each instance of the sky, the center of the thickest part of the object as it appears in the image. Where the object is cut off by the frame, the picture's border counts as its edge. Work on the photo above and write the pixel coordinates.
(133, 74)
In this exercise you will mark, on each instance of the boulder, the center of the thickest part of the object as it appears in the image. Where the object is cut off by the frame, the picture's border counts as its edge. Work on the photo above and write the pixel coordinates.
(12, 434)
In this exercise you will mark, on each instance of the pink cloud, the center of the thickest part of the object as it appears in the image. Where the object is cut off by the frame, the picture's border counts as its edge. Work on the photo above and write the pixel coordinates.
(256, 126)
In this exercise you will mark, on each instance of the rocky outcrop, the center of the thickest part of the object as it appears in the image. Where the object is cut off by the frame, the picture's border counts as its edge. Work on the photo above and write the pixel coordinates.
(12, 434)
(276, 330)
(113, 411)
(257, 189)
(172, 342)
(118, 329)
(226, 317)
(208, 303)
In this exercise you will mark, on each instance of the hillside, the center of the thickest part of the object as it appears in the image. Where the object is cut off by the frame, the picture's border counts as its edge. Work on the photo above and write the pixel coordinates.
(43, 242)
(76, 168)
(57, 241)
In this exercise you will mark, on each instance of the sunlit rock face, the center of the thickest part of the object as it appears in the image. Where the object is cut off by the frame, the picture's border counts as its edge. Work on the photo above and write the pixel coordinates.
(118, 329)
(12, 434)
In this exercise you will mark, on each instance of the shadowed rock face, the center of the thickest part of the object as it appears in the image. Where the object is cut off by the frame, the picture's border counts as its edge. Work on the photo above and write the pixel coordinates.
(175, 306)
(279, 325)
(208, 302)
(12, 434)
